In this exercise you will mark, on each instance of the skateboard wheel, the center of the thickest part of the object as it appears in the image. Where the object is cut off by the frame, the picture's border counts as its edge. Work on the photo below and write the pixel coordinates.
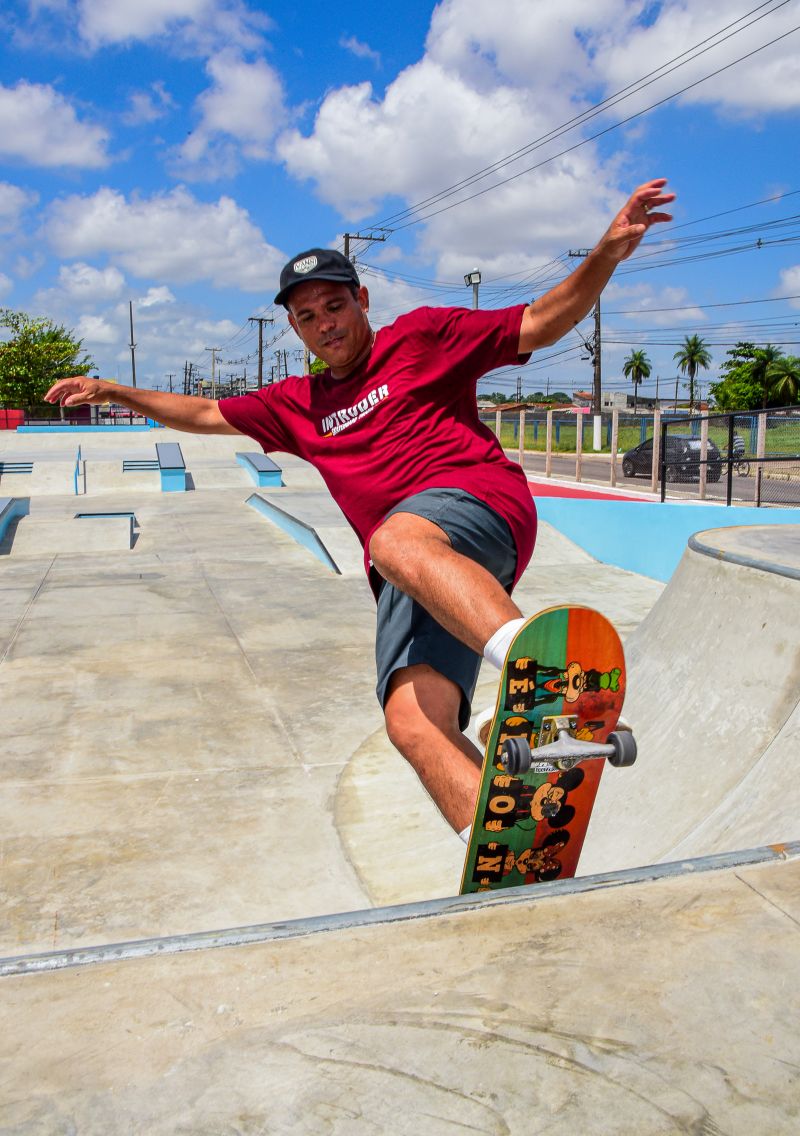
(515, 756)
(624, 744)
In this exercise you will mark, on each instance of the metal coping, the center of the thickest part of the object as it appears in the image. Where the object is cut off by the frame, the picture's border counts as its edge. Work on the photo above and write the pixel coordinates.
(739, 558)
(400, 913)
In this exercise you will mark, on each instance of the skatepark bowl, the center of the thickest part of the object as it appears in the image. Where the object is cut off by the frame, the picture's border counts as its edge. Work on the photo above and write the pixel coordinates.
(227, 905)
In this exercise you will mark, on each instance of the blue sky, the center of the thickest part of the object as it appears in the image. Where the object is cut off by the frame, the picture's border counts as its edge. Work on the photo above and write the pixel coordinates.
(174, 153)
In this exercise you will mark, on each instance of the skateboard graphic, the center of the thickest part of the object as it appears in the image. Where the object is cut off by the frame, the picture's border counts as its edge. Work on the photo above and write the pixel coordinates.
(561, 693)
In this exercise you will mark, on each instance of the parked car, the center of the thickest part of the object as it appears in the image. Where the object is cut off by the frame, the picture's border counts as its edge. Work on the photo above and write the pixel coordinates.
(682, 456)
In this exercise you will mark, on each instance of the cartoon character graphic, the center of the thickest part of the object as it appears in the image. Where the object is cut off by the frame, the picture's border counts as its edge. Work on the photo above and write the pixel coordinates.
(511, 801)
(531, 684)
(494, 861)
(536, 865)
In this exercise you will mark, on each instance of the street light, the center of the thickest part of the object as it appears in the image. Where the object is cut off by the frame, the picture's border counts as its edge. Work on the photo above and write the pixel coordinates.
(473, 278)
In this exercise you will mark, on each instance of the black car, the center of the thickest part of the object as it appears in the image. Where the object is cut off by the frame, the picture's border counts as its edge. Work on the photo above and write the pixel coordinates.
(682, 457)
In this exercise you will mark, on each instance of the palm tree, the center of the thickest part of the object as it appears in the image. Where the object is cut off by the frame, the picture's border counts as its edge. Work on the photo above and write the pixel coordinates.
(692, 355)
(765, 357)
(636, 367)
(783, 380)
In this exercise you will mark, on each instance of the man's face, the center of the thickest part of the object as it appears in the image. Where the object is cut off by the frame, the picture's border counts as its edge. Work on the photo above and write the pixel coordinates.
(332, 323)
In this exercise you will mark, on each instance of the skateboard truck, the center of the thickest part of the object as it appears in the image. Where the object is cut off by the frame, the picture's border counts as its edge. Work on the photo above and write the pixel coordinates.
(559, 749)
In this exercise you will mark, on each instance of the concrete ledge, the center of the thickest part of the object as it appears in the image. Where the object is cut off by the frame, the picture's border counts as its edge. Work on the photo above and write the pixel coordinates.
(263, 470)
(172, 467)
(303, 533)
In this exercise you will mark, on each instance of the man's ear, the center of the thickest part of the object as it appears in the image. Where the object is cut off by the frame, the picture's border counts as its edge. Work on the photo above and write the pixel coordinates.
(293, 324)
(363, 297)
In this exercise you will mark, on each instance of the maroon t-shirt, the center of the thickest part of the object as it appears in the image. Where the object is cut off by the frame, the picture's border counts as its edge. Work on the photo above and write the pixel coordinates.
(404, 421)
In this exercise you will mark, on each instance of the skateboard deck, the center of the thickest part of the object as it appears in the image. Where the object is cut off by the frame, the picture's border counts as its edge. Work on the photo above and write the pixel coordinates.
(565, 669)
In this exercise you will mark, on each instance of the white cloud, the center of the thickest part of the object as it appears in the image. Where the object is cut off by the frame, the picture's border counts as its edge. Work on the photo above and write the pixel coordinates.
(13, 203)
(86, 284)
(96, 331)
(790, 284)
(148, 106)
(243, 104)
(360, 50)
(643, 302)
(502, 76)
(767, 82)
(193, 25)
(6, 284)
(528, 45)
(155, 298)
(169, 237)
(363, 148)
(39, 126)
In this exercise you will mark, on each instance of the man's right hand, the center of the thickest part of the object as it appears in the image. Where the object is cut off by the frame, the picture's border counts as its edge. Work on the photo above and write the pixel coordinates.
(79, 390)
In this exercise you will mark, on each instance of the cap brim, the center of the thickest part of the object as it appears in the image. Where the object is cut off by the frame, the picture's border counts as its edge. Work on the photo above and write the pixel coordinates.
(336, 278)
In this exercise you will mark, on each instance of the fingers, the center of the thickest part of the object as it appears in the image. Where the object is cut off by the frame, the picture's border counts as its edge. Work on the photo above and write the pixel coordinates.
(648, 199)
(71, 392)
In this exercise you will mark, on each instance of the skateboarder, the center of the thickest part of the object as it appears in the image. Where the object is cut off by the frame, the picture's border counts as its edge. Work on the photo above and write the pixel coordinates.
(446, 521)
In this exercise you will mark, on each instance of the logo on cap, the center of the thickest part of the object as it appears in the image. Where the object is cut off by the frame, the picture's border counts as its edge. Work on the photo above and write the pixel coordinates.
(305, 265)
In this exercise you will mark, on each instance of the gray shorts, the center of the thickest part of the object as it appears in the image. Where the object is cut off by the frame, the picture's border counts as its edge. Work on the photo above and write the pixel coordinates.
(406, 633)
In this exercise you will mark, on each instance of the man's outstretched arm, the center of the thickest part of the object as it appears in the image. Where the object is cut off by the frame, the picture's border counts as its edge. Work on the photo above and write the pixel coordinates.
(559, 310)
(179, 411)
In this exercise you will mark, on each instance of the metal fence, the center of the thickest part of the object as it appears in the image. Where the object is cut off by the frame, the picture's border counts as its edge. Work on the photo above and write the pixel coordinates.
(751, 458)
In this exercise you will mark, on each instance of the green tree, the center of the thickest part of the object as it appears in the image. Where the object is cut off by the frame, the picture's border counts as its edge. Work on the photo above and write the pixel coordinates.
(317, 367)
(693, 355)
(783, 378)
(737, 389)
(759, 369)
(36, 354)
(636, 367)
(752, 374)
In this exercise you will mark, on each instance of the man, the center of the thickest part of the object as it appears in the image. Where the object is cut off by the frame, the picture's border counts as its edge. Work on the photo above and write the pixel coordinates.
(446, 521)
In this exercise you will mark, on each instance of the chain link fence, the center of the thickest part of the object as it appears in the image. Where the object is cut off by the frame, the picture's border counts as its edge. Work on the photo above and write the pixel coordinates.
(751, 458)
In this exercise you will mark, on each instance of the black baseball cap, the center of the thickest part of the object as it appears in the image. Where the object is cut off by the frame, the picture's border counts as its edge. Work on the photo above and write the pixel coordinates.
(315, 264)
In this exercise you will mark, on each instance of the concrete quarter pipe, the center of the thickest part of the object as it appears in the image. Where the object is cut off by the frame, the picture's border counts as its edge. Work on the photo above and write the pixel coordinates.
(714, 687)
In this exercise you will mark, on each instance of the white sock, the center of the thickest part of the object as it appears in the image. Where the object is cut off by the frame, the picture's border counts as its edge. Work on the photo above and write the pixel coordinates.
(465, 834)
(496, 649)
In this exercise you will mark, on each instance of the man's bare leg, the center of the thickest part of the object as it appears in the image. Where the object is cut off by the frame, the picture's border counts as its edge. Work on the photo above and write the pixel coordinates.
(416, 556)
(421, 712)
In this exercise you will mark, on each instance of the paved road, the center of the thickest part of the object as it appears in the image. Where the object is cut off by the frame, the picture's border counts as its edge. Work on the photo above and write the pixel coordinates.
(597, 471)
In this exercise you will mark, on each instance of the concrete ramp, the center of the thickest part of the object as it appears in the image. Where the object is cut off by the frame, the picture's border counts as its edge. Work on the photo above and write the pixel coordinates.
(655, 1003)
(714, 696)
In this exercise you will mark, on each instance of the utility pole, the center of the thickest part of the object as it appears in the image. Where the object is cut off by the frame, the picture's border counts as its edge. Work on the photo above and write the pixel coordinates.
(597, 387)
(595, 347)
(213, 351)
(261, 320)
(170, 377)
(133, 345)
(370, 238)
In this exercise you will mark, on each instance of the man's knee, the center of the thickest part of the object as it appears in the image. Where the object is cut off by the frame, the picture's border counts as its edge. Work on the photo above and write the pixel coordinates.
(394, 541)
(421, 706)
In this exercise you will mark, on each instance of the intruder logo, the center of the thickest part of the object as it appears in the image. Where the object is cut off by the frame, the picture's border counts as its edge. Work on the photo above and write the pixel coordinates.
(343, 419)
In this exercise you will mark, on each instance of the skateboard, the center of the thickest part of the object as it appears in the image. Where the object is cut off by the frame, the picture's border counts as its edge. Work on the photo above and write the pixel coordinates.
(560, 696)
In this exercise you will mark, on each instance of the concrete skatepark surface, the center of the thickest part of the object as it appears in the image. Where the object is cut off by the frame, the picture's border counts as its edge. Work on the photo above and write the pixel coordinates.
(166, 772)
